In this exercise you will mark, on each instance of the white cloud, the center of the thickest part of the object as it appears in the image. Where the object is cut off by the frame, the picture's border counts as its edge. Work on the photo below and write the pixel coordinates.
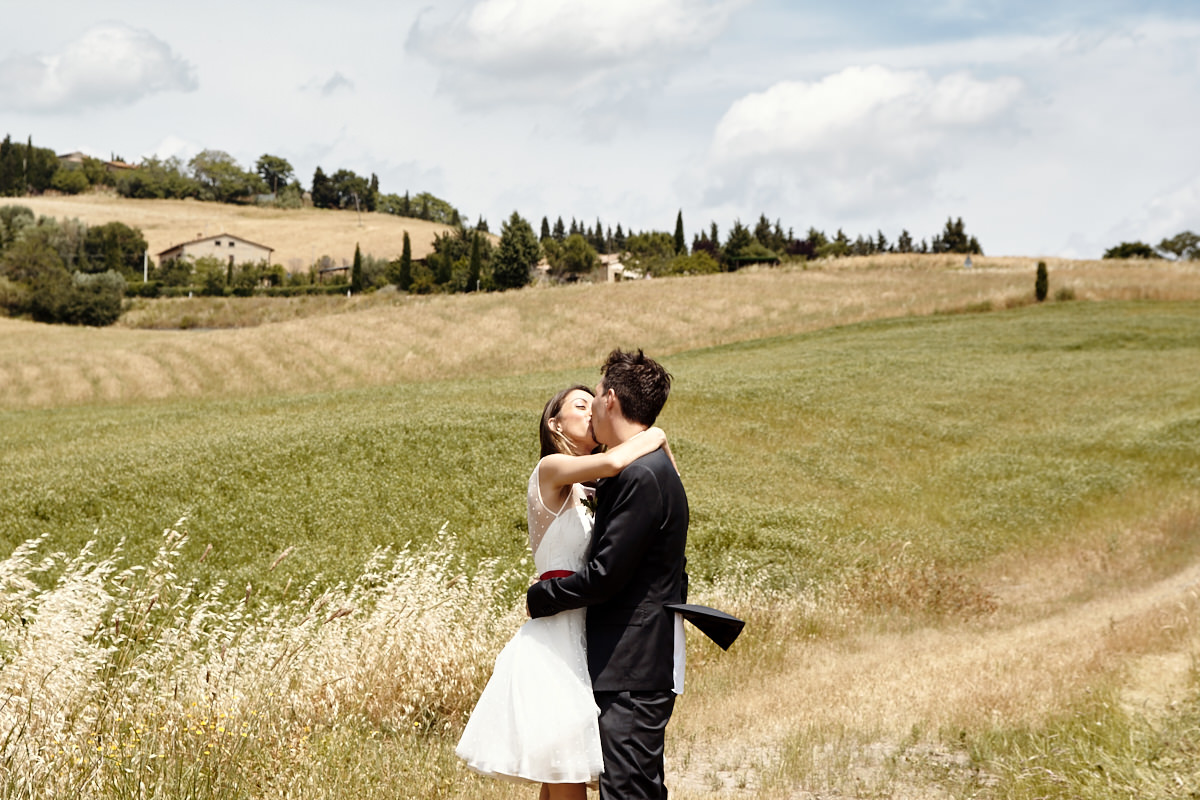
(865, 137)
(175, 147)
(111, 64)
(338, 82)
(327, 87)
(583, 53)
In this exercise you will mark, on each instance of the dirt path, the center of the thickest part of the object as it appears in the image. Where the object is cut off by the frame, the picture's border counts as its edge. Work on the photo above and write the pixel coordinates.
(854, 703)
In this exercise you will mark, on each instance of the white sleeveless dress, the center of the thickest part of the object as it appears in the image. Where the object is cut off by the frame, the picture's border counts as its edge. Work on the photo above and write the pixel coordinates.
(537, 719)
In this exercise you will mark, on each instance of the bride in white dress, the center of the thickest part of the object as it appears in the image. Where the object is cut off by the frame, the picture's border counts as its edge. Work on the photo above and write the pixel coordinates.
(536, 719)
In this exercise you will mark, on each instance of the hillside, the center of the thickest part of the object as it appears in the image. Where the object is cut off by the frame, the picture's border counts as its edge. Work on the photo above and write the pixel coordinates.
(298, 236)
(386, 337)
(967, 544)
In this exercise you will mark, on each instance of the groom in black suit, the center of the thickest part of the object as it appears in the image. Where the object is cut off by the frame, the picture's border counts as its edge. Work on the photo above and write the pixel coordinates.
(634, 643)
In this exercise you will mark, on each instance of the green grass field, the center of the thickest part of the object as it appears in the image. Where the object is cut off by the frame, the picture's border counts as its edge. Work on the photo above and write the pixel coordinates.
(966, 435)
(863, 460)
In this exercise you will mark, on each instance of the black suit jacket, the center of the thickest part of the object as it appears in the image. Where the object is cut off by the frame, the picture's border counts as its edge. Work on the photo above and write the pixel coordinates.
(636, 566)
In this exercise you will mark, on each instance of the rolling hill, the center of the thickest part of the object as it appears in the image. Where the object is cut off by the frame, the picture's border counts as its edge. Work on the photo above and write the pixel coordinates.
(298, 236)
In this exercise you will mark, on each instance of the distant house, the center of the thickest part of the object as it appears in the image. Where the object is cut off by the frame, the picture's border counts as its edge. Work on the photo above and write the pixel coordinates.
(613, 270)
(224, 246)
(71, 160)
(609, 270)
(75, 160)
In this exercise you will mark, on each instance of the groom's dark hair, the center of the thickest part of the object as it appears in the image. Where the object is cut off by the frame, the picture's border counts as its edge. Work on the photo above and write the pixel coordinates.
(639, 382)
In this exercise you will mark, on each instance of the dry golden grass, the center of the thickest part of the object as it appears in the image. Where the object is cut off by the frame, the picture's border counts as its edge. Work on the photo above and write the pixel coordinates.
(847, 712)
(123, 681)
(340, 343)
(298, 236)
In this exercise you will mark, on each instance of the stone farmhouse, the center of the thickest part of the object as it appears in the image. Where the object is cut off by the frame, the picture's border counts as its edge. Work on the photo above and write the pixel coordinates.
(75, 160)
(224, 246)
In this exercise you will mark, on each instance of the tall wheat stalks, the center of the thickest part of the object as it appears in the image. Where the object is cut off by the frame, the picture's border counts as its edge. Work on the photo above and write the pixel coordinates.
(121, 681)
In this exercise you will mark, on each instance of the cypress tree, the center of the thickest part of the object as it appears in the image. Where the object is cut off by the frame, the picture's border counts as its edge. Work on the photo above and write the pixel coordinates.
(1042, 284)
(356, 274)
(405, 276)
(680, 241)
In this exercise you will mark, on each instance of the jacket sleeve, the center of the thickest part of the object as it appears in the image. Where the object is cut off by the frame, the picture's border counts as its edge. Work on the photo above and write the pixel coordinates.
(625, 528)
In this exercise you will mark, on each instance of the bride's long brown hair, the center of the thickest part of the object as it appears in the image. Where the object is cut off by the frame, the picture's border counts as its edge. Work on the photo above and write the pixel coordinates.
(552, 440)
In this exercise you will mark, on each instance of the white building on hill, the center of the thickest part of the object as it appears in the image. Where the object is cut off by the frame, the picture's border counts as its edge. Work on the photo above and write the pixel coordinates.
(224, 246)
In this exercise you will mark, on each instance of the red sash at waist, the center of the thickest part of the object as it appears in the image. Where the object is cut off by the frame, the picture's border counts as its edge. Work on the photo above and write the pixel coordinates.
(555, 573)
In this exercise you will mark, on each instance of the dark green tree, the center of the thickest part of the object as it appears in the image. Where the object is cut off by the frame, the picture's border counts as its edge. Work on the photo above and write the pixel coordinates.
(275, 171)
(578, 257)
(1041, 284)
(596, 240)
(402, 274)
(372, 198)
(157, 179)
(427, 206)
(1182, 246)
(356, 271)
(517, 254)
(545, 234)
(117, 247)
(350, 191)
(1131, 250)
(649, 253)
(70, 181)
(702, 244)
(680, 241)
(560, 231)
(954, 239)
(221, 179)
(12, 169)
(323, 193)
(449, 248)
(736, 246)
(762, 231)
(41, 163)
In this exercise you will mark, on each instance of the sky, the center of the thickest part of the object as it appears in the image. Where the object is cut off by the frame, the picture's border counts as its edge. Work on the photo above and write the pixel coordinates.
(1051, 128)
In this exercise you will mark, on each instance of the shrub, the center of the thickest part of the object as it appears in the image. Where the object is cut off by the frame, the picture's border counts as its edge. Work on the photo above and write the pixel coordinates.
(14, 297)
(698, 263)
(70, 181)
(92, 304)
(174, 272)
(211, 276)
(1042, 284)
(13, 219)
(150, 288)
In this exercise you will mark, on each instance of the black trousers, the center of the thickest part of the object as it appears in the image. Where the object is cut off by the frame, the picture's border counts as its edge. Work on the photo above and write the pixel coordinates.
(633, 729)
